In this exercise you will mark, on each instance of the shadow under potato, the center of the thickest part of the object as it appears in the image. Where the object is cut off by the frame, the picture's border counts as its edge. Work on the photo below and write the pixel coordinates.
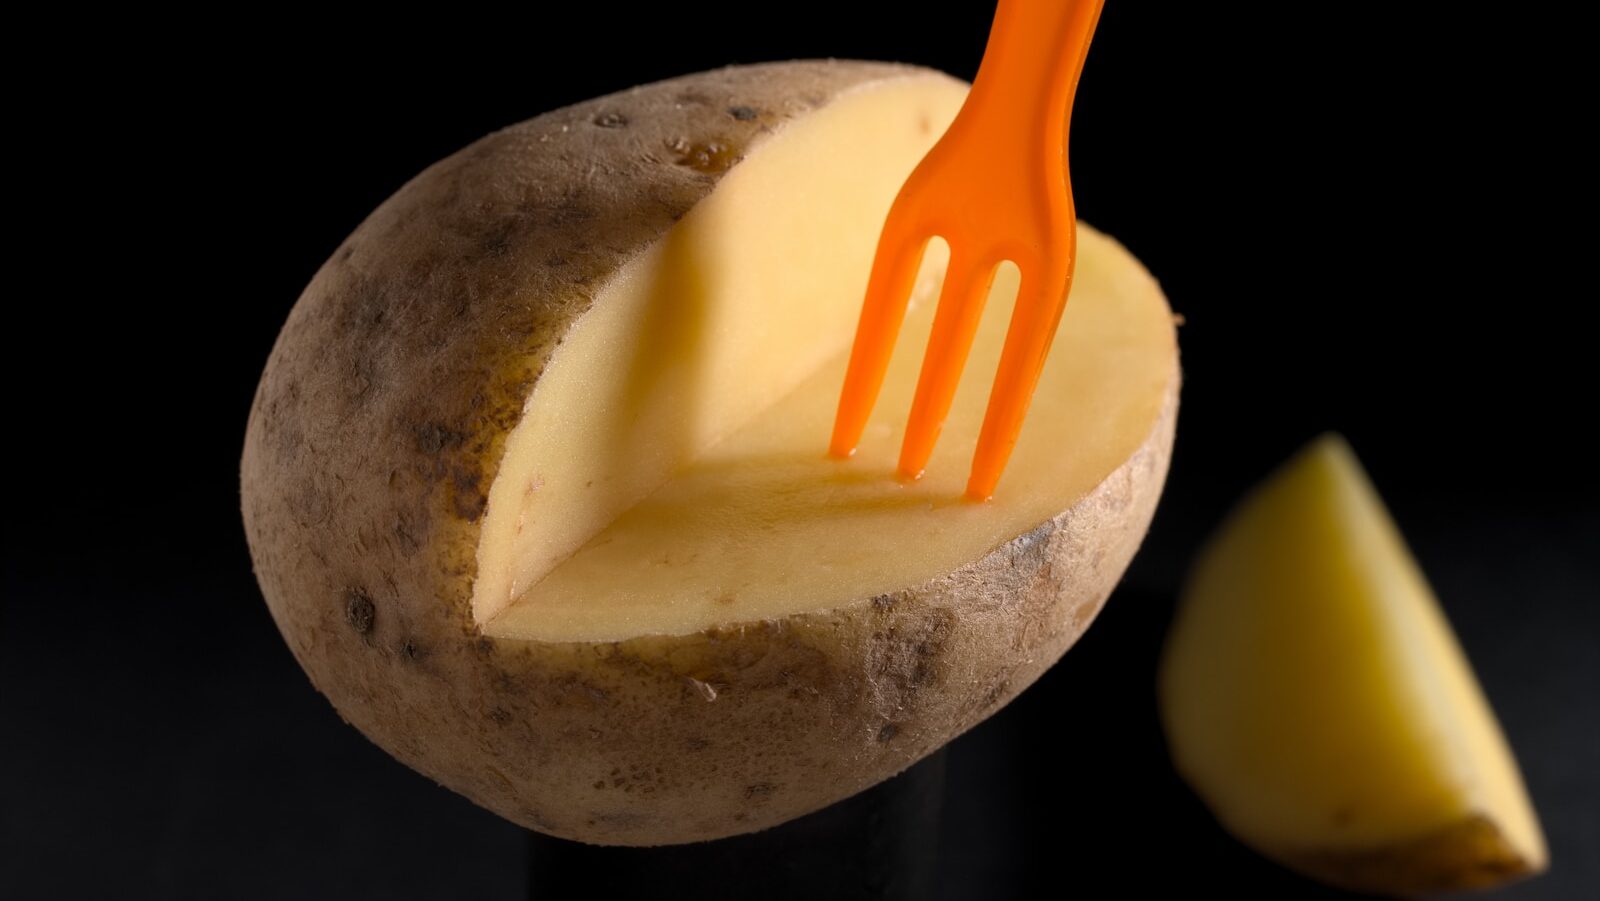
(879, 844)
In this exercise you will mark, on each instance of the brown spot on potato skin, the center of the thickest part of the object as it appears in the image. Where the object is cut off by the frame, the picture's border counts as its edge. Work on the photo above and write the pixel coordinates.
(500, 240)
(470, 499)
(711, 156)
(359, 611)
(908, 656)
(742, 113)
(611, 120)
(407, 536)
(433, 438)
(448, 295)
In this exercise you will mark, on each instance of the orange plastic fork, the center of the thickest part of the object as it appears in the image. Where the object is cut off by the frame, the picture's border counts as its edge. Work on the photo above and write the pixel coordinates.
(996, 188)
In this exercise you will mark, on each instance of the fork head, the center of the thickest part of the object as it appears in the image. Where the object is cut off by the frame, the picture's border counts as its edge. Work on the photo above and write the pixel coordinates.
(996, 188)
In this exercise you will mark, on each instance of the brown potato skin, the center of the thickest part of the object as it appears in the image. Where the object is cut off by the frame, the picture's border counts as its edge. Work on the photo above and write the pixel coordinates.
(377, 429)
(1469, 855)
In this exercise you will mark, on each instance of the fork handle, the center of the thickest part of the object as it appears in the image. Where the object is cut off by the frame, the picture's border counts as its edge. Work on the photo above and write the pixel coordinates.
(1031, 65)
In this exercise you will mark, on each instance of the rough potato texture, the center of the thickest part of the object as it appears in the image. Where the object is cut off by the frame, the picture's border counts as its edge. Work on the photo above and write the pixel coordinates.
(379, 424)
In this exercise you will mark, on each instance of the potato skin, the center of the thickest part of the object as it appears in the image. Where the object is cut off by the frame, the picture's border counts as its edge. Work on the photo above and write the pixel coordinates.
(1468, 855)
(379, 424)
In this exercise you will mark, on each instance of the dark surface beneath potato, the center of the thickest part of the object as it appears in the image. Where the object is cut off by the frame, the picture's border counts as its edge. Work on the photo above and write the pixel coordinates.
(1335, 207)
(146, 756)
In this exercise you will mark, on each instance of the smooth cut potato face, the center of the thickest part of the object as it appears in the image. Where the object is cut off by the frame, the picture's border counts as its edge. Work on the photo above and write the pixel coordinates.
(764, 525)
(1314, 695)
(749, 295)
(535, 483)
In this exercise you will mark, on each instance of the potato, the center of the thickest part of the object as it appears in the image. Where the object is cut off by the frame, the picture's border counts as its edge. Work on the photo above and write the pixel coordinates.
(535, 481)
(1314, 696)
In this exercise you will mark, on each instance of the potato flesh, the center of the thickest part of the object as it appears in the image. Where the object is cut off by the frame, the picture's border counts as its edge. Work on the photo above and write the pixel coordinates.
(1313, 691)
(750, 293)
(765, 525)
(669, 471)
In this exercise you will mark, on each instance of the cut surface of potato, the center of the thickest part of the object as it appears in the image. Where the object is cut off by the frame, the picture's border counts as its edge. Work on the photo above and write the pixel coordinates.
(535, 483)
(747, 296)
(764, 525)
(1314, 695)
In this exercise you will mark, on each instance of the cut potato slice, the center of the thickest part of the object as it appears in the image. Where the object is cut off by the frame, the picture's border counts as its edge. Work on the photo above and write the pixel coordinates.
(535, 482)
(1315, 697)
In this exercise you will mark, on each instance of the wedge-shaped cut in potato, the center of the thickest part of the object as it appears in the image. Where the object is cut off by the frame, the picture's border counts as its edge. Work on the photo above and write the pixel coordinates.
(762, 525)
(1315, 697)
(535, 481)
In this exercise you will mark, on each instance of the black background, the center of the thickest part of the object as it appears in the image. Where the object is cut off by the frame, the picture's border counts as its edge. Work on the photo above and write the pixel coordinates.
(1369, 219)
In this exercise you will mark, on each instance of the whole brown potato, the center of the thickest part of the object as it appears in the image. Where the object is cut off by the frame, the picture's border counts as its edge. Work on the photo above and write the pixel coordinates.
(379, 429)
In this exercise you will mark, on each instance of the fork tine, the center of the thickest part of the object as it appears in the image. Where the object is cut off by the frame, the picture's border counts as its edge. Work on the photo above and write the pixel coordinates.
(1040, 302)
(961, 302)
(894, 270)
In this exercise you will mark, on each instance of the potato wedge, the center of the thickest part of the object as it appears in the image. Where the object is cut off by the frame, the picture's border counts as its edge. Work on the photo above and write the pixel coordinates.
(1315, 697)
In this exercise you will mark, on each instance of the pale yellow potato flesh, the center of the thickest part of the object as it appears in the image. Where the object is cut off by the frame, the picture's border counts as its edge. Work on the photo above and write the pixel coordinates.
(756, 288)
(1314, 695)
(764, 525)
